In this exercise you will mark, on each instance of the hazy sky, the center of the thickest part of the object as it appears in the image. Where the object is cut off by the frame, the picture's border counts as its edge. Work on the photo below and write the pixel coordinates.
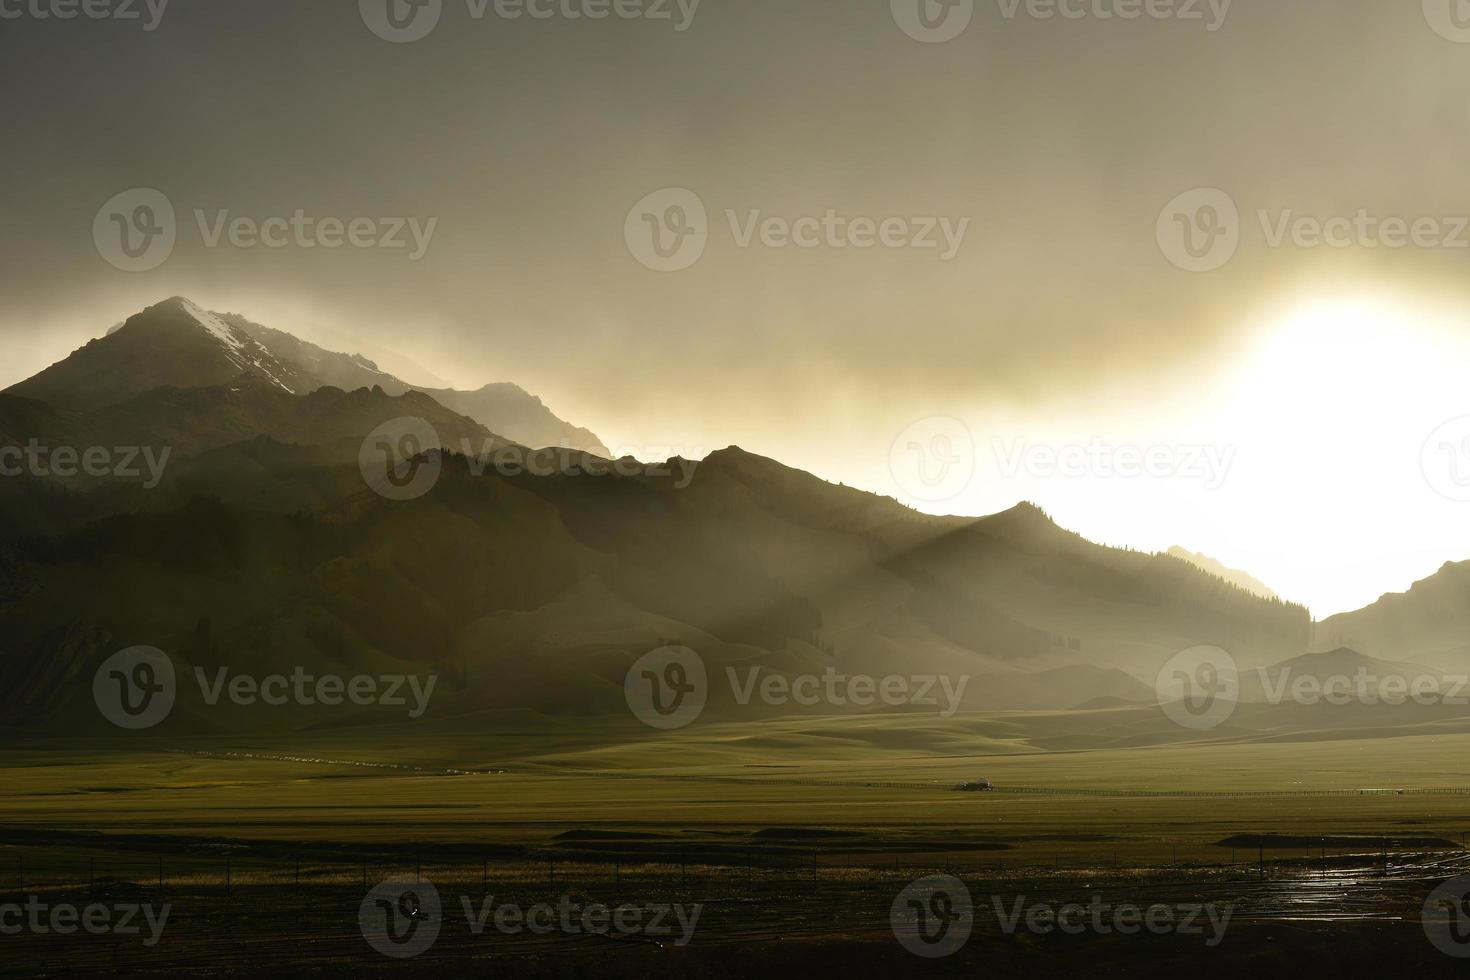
(1287, 400)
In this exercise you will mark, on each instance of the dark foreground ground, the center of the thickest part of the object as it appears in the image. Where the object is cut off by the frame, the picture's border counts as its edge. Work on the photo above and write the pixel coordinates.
(1350, 916)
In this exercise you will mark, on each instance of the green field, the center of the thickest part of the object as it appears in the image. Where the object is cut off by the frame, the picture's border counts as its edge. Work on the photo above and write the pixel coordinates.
(876, 786)
(794, 835)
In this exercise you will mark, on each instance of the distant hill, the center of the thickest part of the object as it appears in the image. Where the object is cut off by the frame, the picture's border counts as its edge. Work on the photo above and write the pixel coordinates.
(1234, 576)
(1341, 662)
(1430, 623)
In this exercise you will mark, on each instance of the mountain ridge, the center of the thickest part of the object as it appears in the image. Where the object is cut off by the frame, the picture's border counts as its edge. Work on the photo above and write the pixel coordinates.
(176, 343)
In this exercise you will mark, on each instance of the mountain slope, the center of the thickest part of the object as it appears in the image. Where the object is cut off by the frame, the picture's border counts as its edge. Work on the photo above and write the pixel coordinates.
(1236, 577)
(174, 343)
(521, 416)
(538, 592)
(504, 408)
(177, 344)
(1428, 624)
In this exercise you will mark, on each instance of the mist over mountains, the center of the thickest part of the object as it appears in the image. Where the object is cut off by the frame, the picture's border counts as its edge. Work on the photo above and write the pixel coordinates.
(177, 344)
(532, 587)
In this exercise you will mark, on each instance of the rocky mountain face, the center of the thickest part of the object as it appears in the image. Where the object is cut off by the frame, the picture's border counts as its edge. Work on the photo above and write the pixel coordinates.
(176, 344)
(526, 579)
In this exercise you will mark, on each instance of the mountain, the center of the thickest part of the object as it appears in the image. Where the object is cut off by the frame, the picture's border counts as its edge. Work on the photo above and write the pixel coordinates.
(505, 408)
(1236, 577)
(1430, 623)
(170, 344)
(520, 415)
(537, 592)
(192, 420)
(533, 583)
(177, 344)
(1258, 685)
